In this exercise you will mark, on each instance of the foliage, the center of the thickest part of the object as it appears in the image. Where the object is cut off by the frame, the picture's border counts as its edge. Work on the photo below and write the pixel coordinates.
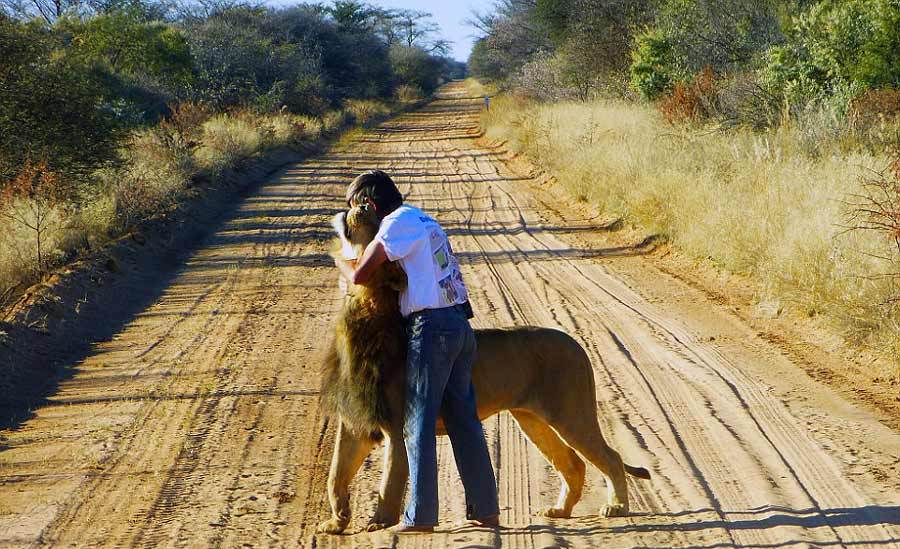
(692, 102)
(542, 79)
(51, 106)
(484, 62)
(238, 63)
(653, 64)
(126, 42)
(722, 34)
(837, 47)
(414, 66)
(874, 108)
(36, 200)
(407, 93)
(512, 35)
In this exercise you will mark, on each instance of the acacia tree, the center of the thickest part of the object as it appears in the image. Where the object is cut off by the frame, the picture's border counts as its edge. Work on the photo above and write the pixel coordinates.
(415, 28)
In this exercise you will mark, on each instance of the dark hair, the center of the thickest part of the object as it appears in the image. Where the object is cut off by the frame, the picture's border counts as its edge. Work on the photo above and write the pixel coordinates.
(379, 188)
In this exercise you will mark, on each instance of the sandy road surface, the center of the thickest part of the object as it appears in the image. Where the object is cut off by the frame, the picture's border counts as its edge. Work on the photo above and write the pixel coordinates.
(197, 425)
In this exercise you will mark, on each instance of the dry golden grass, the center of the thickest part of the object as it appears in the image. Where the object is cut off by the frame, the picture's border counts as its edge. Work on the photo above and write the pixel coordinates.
(366, 111)
(768, 205)
(158, 165)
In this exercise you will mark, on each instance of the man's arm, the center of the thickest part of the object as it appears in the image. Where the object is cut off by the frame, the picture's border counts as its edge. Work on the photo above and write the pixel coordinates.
(360, 271)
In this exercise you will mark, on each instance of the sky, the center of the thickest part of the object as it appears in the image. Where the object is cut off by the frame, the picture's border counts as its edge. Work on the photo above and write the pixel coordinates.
(449, 14)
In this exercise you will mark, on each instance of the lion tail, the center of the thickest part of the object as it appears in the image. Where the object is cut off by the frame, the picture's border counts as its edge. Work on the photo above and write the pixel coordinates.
(638, 472)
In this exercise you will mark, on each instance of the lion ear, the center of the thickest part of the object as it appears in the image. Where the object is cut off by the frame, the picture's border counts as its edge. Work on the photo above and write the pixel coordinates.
(339, 224)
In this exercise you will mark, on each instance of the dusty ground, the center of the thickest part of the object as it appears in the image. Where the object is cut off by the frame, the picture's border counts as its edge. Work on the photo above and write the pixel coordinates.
(197, 424)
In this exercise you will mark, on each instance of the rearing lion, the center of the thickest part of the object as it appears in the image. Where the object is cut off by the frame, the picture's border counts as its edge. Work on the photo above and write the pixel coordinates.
(542, 376)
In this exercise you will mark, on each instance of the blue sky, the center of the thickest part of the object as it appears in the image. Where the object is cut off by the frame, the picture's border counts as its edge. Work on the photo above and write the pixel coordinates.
(449, 14)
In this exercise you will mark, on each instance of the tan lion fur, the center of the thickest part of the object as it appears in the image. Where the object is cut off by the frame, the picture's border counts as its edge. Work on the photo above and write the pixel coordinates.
(369, 343)
(542, 376)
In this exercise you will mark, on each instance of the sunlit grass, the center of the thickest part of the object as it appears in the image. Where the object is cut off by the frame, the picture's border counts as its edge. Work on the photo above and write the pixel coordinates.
(771, 205)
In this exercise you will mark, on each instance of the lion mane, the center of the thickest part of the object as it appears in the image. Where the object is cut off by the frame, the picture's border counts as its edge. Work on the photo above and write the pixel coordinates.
(369, 342)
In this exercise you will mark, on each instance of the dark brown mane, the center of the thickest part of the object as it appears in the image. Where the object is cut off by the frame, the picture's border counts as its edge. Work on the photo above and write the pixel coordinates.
(369, 345)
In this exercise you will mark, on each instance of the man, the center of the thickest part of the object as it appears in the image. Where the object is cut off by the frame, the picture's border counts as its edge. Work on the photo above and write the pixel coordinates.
(441, 351)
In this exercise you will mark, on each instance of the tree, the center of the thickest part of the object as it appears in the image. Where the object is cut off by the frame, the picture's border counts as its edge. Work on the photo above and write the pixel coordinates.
(415, 28)
(723, 34)
(351, 15)
(126, 42)
(837, 47)
(512, 35)
(52, 106)
(35, 200)
(415, 66)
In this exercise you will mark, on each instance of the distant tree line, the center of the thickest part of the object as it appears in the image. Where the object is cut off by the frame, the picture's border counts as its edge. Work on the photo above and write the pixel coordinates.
(762, 58)
(77, 75)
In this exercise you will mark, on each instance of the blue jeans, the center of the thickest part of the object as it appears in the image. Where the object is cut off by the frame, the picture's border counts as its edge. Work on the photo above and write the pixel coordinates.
(439, 380)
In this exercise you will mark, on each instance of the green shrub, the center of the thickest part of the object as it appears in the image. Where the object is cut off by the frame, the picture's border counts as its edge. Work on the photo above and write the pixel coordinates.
(653, 64)
(836, 47)
(52, 106)
(412, 65)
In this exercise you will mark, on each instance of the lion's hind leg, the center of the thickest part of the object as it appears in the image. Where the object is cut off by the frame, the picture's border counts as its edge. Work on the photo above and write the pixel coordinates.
(565, 460)
(582, 432)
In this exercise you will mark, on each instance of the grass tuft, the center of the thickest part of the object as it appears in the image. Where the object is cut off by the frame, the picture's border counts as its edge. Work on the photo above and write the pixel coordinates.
(772, 205)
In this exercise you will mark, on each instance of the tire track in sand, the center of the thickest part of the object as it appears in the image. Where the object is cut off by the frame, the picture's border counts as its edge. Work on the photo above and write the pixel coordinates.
(197, 425)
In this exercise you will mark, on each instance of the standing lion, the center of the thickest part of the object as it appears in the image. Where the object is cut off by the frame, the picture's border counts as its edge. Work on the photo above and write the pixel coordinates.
(541, 376)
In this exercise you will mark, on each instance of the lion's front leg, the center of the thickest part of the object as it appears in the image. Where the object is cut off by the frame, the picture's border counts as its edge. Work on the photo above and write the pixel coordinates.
(393, 482)
(350, 451)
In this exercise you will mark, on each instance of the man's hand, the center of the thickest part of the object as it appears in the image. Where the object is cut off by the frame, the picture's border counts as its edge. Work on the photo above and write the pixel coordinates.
(360, 271)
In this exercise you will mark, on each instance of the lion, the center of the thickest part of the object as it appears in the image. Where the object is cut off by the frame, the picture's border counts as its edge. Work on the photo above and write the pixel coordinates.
(542, 376)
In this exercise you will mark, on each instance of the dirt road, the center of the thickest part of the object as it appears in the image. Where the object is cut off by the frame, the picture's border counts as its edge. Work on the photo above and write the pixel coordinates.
(197, 425)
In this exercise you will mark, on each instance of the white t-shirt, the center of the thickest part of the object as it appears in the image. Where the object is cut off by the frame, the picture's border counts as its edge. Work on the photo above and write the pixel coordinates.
(421, 246)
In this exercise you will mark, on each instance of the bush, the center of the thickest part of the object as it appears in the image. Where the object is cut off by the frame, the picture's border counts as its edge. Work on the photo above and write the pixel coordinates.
(158, 165)
(407, 93)
(542, 79)
(366, 111)
(292, 129)
(875, 116)
(36, 201)
(51, 107)
(412, 65)
(836, 47)
(653, 64)
(228, 138)
(127, 43)
(726, 35)
(694, 101)
(333, 121)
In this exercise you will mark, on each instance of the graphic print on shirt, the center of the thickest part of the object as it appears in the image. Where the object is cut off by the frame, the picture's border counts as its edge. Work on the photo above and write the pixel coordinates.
(452, 289)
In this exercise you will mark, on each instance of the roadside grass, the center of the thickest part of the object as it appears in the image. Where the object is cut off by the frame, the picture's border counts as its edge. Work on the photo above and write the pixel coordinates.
(774, 206)
(159, 170)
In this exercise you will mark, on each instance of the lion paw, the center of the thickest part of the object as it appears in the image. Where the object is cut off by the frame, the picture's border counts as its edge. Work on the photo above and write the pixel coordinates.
(332, 526)
(617, 510)
(556, 512)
